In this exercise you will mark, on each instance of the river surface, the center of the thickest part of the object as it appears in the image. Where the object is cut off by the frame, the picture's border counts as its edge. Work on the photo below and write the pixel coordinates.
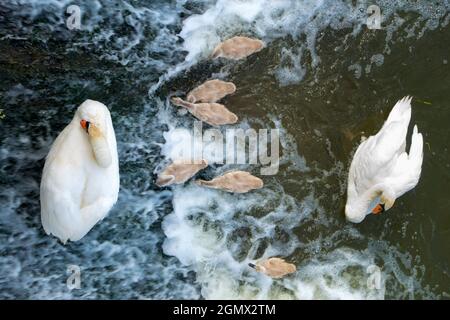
(324, 80)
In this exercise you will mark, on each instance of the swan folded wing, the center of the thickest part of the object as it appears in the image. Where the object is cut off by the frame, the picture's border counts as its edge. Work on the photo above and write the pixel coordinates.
(58, 211)
(415, 156)
(386, 145)
(367, 169)
(390, 141)
(57, 145)
(383, 157)
(363, 170)
(63, 216)
(92, 214)
(69, 209)
(407, 171)
(416, 149)
(401, 112)
(376, 157)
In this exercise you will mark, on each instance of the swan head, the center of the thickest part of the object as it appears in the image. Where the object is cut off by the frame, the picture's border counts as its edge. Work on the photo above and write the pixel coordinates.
(376, 201)
(93, 117)
(355, 212)
(94, 113)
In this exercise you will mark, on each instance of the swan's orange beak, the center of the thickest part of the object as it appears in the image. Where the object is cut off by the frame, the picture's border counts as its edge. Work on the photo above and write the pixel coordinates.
(378, 209)
(85, 124)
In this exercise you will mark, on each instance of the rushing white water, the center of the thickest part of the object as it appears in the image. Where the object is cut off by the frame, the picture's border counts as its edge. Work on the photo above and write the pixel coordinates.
(218, 234)
(186, 241)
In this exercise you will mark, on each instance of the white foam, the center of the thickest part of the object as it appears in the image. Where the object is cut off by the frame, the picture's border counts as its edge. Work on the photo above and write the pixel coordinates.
(290, 71)
(269, 20)
(217, 234)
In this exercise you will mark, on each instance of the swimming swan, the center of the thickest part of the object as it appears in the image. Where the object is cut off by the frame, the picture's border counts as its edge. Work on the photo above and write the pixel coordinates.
(381, 170)
(80, 181)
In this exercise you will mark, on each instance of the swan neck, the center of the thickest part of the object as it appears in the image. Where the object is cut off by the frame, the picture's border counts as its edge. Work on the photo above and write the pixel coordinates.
(381, 190)
(101, 150)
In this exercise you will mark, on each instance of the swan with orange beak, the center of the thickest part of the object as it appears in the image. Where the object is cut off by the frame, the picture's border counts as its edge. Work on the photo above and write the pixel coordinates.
(80, 181)
(381, 170)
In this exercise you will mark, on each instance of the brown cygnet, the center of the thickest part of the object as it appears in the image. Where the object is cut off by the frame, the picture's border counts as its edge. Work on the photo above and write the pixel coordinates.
(211, 91)
(234, 181)
(274, 267)
(237, 48)
(179, 172)
(214, 114)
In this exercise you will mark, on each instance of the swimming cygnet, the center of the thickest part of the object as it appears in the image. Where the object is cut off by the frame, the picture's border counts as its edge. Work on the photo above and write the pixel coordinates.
(214, 114)
(179, 172)
(274, 267)
(211, 91)
(234, 181)
(237, 48)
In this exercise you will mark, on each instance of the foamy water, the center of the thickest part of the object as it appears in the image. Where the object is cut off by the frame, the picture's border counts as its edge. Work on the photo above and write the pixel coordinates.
(185, 241)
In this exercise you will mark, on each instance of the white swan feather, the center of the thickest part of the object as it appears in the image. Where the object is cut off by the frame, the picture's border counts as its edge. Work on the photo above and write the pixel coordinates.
(382, 170)
(80, 181)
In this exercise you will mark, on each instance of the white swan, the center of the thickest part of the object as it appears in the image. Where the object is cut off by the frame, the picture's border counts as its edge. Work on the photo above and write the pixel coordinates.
(80, 181)
(381, 170)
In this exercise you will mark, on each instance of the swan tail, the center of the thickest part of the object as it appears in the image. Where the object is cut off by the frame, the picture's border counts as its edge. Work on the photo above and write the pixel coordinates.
(416, 149)
(91, 215)
(401, 111)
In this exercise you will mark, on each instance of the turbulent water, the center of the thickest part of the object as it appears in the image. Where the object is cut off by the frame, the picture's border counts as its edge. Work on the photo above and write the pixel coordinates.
(324, 80)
